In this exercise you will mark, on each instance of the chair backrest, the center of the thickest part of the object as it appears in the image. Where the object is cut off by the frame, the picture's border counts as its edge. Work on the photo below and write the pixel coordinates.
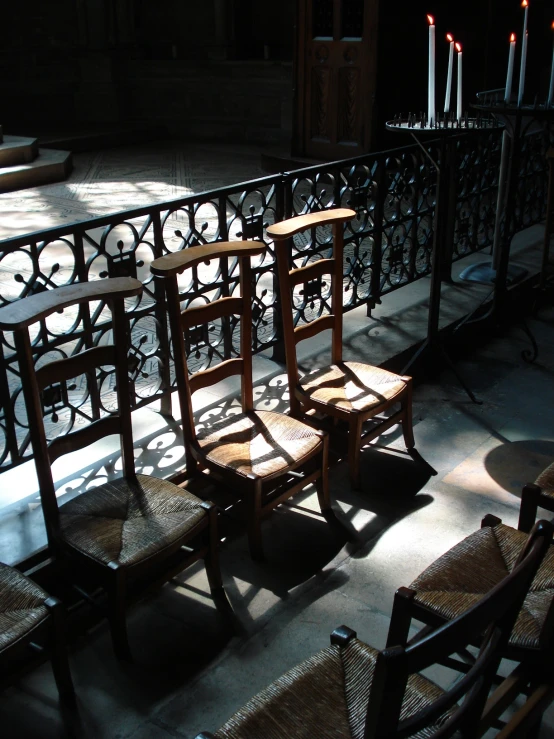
(310, 277)
(492, 620)
(184, 322)
(45, 389)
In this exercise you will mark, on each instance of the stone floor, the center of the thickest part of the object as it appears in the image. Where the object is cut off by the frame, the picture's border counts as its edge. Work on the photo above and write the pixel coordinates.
(193, 668)
(116, 179)
(191, 671)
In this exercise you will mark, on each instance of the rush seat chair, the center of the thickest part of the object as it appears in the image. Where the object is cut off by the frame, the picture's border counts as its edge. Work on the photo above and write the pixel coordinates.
(130, 532)
(460, 577)
(262, 457)
(348, 391)
(351, 690)
(31, 623)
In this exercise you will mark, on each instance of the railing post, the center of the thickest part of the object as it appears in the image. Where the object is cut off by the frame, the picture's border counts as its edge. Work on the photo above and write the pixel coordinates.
(160, 312)
(283, 209)
(452, 153)
(377, 252)
(9, 415)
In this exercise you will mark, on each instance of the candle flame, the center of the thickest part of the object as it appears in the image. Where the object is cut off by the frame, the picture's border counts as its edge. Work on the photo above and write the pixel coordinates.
(553, 25)
(449, 37)
(524, 4)
(431, 20)
(513, 37)
(458, 47)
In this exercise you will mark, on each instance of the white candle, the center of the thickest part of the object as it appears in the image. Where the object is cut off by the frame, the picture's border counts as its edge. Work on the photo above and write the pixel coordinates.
(524, 4)
(431, 81)
(459, 106)
(510, 75)
(551, 91)
(449, 38)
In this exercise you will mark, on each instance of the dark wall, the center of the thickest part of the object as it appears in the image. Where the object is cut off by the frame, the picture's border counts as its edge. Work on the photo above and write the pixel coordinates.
(71, 62)
(211, 68)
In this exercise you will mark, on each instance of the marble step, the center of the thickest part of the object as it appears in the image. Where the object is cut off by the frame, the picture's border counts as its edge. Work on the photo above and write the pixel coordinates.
(17, 150)
(51, 165)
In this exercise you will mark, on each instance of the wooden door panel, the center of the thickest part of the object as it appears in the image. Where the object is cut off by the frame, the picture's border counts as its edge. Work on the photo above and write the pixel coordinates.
(335, 80)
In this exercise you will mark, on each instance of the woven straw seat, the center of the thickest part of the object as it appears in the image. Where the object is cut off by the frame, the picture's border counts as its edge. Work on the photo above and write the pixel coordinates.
(546, 481)
(126, 521)
(21, 605)
(325, 697)
(458, 579)
(352, 386)
(261, 443)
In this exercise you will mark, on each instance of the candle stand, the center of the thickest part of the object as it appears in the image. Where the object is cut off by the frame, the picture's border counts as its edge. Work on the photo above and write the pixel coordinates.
(446, 130)
(519, 122)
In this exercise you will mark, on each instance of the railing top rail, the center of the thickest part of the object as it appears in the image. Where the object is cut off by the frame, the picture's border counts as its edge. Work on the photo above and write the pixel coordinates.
(56, 232)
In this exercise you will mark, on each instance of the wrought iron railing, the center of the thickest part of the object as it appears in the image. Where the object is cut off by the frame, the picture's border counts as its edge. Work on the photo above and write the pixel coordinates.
(388, 246)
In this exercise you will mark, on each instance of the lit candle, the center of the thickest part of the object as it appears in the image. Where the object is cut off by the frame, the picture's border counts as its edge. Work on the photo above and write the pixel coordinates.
(431, 82)
(510, 75)
(459, 107)
(449, 38)
(524, 4)
(551, 91)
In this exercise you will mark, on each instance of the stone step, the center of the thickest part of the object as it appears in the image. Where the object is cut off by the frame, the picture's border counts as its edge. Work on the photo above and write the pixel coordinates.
(50, 165)
(17, 150)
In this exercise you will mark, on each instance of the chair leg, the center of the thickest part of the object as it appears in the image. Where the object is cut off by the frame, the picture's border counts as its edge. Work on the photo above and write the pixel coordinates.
(530, 497)
(401, 617)
(354, 444)
(117, 613)
(322, 484)
(407, 421)
(254, 522)
(212, 557)
(59, 658)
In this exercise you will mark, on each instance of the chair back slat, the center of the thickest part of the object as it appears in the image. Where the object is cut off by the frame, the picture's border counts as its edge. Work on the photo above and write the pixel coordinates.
(220, 308)
(490, 621)
(211, 376)
(312, 271)
(286, 229)
(64, 369)
(171, 265)
(83, 437)
(33, 308)
(36, 381)
(307, 330)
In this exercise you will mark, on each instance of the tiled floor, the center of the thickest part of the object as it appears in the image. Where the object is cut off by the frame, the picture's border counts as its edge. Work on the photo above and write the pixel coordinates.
(110, 180)
(193, 668)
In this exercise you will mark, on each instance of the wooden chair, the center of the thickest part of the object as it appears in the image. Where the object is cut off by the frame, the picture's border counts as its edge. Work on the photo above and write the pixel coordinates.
(263, 457)
(31, 623)
(460, 577)
(128, 532)
(352, 392)
(541, 494)
(352, 690)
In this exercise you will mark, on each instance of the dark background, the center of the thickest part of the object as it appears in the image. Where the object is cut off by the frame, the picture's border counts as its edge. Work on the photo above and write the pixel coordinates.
(198, 68)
